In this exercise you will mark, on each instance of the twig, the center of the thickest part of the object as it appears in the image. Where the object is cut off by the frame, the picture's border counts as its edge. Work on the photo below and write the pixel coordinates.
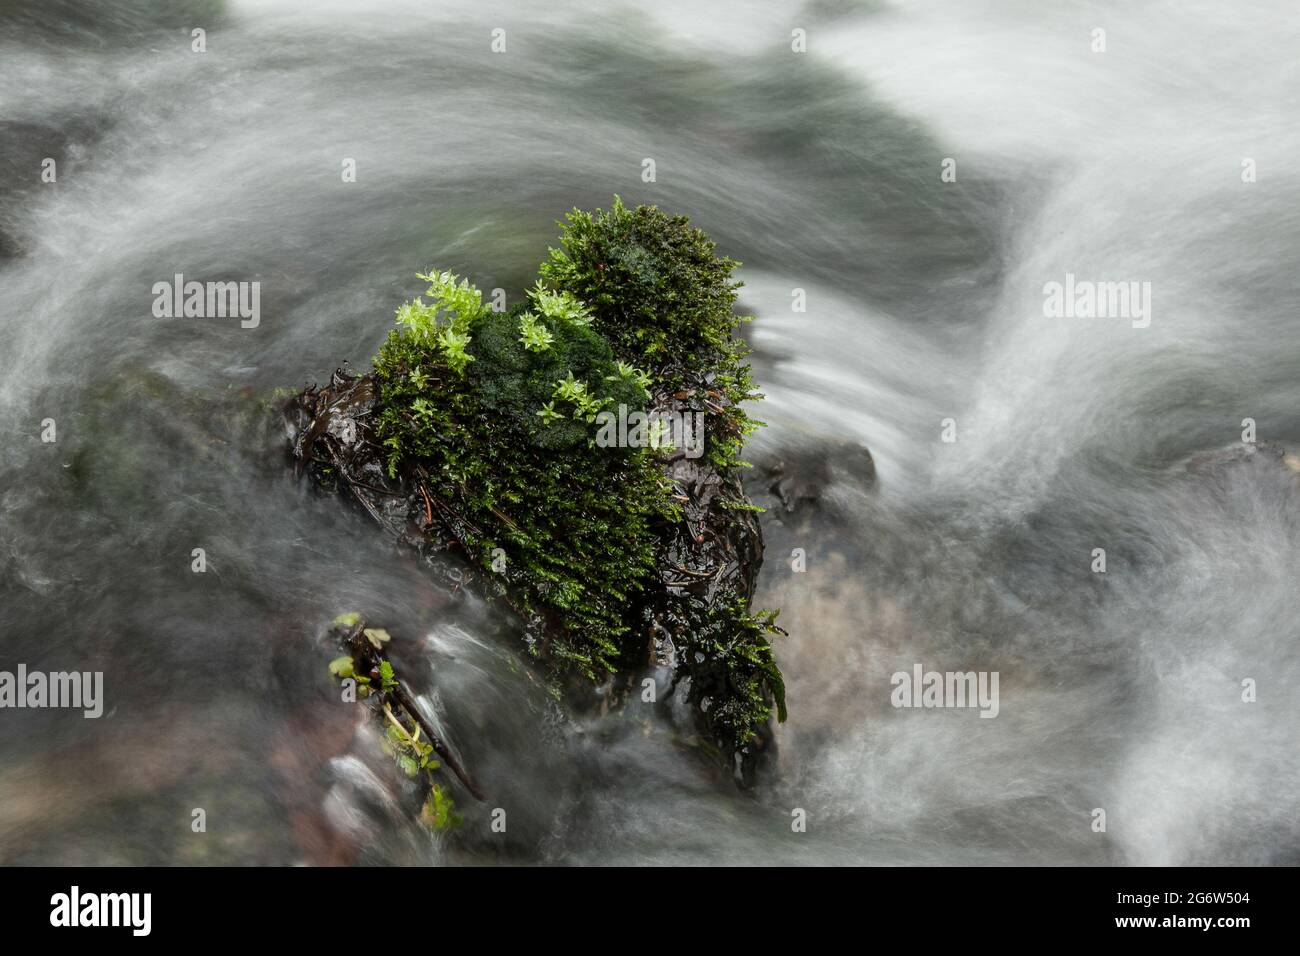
(439, 747)
(368, 652)
(428, 508)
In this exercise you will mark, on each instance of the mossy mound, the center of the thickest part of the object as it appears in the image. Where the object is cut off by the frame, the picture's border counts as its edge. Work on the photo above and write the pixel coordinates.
(538, 443)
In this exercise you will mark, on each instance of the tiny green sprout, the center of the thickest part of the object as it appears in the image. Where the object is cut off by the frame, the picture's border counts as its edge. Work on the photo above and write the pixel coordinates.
(342, 667)
(453, 347)
(559, 306)
(440, 810)
(460, 302)
(386, 675)
(589, 407)
(570, 389)
(416, 317)
(423, 408)
(377, 636)
(630, 373)
(548, 414)
(350, 619)
(534, 334)
(418, 378)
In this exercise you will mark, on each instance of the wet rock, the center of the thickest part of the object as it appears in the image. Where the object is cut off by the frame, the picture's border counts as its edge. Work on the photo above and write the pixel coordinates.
(799, 477)
(710, 558)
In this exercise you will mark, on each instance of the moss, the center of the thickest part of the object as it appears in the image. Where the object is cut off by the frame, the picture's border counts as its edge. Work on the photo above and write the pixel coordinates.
(492, 417)
(573, 521)
(662, 297)
(654, 284)
(518, 383)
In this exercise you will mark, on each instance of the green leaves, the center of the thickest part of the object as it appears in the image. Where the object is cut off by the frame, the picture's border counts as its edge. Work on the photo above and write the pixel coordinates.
(459, 304)
(548, 414)
(559, 306)
(453, 347)
(630, 373)
(455, 308)
(414, 757)
(534, 335)
(570, 389)
(497, 411)
(587, 406)
(439, 811)
(417, 318)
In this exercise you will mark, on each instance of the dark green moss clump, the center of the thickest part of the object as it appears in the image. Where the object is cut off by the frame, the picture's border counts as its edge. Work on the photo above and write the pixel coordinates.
(660, 294)
(614, 555)
(485, 427)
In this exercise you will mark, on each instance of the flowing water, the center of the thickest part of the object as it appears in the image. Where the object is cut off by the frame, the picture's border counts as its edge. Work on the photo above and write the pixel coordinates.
(820, 171)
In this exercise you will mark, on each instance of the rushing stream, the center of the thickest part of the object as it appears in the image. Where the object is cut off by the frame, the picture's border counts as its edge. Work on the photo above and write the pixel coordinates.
(821, 171)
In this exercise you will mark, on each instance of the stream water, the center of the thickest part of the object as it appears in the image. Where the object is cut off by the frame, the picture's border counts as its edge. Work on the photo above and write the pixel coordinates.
(821, 171)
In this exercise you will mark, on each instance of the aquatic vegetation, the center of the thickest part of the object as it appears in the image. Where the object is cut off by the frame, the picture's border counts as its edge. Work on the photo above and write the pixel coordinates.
(662, 297)
(374, 679)
(613, 556)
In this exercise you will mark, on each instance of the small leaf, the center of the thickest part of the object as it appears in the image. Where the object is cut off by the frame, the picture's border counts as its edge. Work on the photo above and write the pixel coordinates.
(439, 810)
(408, 765)
(349, 619)
(341, 667)
(377, 636)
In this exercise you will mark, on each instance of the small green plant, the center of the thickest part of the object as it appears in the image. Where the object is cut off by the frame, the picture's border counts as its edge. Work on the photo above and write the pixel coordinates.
(534, 334)
(559, 306)
(492, 416)
(439, 811)
(548, 414)
(664, 301)
(629, 373)
(446, 320)
(414, 756)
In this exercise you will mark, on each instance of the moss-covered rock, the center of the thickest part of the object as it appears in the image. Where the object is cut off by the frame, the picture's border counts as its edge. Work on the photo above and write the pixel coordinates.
(539, 444)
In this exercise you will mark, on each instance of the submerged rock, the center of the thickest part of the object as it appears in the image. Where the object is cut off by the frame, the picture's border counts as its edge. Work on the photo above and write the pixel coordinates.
(524, 444)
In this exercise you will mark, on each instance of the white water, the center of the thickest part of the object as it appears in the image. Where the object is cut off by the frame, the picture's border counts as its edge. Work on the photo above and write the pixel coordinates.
(819, 171)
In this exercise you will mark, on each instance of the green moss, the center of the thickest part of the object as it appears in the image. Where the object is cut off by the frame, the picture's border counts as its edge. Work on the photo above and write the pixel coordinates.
(491, 415)
(732, 668)
(653, 282)
(573, 520)
(661, 296)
